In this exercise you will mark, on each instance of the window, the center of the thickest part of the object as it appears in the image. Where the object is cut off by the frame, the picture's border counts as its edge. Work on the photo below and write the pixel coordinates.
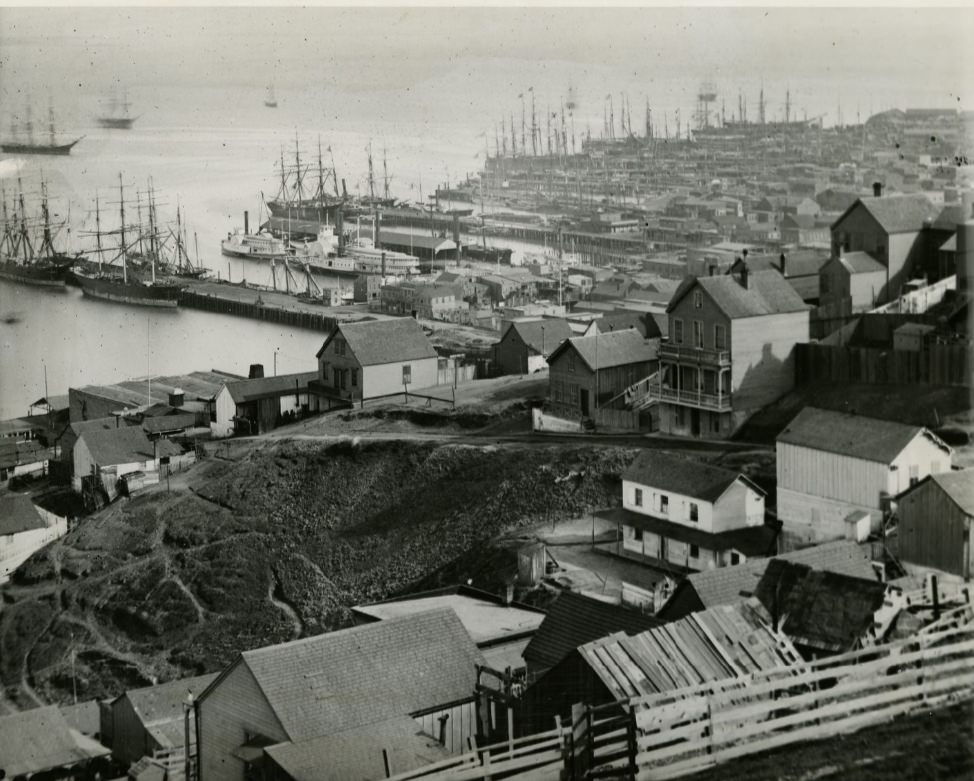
(720, 337)
(664, 504)
(336, 378)
(354, 378)
(694, 512)
(914, 474)
(698, 334)
(407, 374)
(573, 393)
(697, 299)
(571, 361)
(638, 499)
(339, 346)
(677, 330)
(637, 535)
(694, 552)
(735, 558)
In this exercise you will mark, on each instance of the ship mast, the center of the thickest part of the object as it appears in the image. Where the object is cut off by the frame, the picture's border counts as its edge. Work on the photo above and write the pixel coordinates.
(371, 175)
(321, 178)
(24, 235)
(47, 245)
(30, 126)
(98, 231)
(50, 121)
(385, 176)
(121, 230)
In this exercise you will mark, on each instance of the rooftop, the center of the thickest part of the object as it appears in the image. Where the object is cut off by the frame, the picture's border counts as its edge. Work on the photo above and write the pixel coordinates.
(375, 342)
(860, 262)
(959, 486)
(18, 514)
(164, 702)
(328, 683)
(684, 476)
(899, 213)
(767, 293)
(242, 391)
(125, 445)
(543, 335)
(857, 436)
(574, 619)
(137, 393)
(615, 348)
(40, 739)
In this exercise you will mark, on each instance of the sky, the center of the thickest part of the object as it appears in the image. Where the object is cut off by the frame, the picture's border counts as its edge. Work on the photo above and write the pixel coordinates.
(398, 47)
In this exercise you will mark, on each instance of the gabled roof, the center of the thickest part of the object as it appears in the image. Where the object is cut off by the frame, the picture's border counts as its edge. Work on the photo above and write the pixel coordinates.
(716, 644)
(727, 585)
(620, 320)
(860, 262)
(340, 680)
(242, 391)
(857, 436)
(800, 221)
(40, 739)
(18, 514)
(616, 348)
(767, 293)
(950, 217)
(375, 342)
(357, 753)
(164, 702)
(900, 213)
(543, 335)
(685, 476)
(824, 610)
(958, 485)
(123, 445)
(573, 620)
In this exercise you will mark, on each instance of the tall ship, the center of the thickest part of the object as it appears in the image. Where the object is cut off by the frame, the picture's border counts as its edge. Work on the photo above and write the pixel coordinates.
(22, 140)
(20, 260)
(270, 100)
(298, 199)
(118, 114)
(137, 270)
(373, 200)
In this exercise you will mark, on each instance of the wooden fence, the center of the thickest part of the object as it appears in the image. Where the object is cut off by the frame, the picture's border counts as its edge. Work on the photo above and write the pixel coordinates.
(684, 731)
(936, 365)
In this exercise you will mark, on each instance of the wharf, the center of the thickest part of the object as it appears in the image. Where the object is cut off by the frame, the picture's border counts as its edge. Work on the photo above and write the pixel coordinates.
(267, 305)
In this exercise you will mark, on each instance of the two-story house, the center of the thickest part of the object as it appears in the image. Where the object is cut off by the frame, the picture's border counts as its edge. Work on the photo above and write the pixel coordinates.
(689, 515)
(891, 230)
(729, 351)
(588, 372)
(837, 472)
(364, 360)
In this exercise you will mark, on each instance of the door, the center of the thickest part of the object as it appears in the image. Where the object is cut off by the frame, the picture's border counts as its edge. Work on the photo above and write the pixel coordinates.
(695, 422)
(583, 400)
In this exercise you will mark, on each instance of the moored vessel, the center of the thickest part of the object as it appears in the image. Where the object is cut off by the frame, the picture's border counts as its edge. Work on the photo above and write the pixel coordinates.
(23, 142)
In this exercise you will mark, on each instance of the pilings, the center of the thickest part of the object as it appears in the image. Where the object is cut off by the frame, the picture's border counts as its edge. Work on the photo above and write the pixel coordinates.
(209, 302)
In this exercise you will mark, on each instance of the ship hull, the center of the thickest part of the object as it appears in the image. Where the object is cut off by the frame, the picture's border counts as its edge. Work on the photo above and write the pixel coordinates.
(244, 252)
(162, 296)
(309, 212)
(28, 276)
(37, 149)
(116, 123)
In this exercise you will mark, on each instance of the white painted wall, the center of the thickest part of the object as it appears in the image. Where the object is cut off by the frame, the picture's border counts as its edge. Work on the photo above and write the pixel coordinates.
(383, 379)
(226, 408)
(678, 510)
(15, 549)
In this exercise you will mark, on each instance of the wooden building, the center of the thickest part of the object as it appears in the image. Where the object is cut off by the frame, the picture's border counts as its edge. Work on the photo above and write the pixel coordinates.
(38, 743)
(589, 372)
(24, 529)
(729, 352)
(108, 454)
(420, 666)
(154, 719)
(832, 465)
(526, 344)
(852, 282)
(686, 515)
(936, 520)
(373, 358)
(256, 405)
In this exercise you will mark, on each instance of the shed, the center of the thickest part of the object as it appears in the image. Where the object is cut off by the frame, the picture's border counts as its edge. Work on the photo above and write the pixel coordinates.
(935, 523)
(913, 337)
(40, 741)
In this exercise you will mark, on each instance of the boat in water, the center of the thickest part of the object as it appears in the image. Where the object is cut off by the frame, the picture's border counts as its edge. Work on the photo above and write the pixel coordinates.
(256, 246)
(137, 271)
(118, 115)
(23, 142)
(369, 259)
(295, 200)
(20, 260)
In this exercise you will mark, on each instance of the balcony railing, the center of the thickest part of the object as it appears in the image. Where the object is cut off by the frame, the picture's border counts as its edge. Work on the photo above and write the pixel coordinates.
(693, 398)
(686, 354)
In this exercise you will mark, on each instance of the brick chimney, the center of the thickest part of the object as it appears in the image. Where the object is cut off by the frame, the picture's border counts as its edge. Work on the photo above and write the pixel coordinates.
(878, 189)
(744, 276)
(782, 259)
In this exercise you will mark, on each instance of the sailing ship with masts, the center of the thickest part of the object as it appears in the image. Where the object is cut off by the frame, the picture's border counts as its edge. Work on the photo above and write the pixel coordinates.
(22, 261)
(294, 201)
(22, 140)
(137, 270)
(119, 114)
(270, 100)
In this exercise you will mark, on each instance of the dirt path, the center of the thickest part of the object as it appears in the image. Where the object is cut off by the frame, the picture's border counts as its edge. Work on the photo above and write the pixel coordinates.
(276, 597)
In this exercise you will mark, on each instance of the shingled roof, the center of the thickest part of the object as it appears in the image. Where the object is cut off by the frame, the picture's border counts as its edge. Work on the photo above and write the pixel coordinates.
(573, 620)
(375, 342)
(900, 213)
(616, 348)
(125, 445)
(958, 485)
(242, 391)
(822, 610)
(684, 476)
(857, 436)
(543, 335)
(340, 680)
(767, 293)
(727, 585)
(860, 262)
(40, 739)
(18, 514)
(164, 702)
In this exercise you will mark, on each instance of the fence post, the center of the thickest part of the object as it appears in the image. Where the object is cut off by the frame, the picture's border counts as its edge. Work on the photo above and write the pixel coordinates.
(631, 736)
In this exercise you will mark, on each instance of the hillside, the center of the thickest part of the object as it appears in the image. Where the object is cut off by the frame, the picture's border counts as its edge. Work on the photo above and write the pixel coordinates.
(275, 545)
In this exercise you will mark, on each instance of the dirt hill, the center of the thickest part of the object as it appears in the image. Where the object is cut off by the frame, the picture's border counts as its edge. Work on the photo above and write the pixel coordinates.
(273, 546)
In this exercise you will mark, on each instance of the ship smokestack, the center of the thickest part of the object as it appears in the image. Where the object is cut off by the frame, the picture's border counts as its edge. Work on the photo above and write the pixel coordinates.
(246, 224)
